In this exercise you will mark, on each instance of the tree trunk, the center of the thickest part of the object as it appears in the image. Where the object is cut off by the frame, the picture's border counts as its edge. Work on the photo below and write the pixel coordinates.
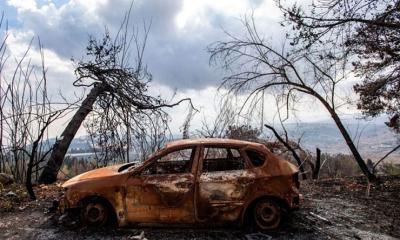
(317, 165)
(371, 177)
(32, 155)
(360, 161)
(50, 171)
(28, 181)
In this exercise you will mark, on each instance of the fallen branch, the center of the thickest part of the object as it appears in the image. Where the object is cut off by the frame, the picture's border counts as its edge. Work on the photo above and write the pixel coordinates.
(383, 158)
(287, 145)
(320, 217)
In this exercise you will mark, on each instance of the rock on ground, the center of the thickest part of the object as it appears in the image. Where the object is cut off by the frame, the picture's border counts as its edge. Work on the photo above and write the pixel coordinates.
(6, 179)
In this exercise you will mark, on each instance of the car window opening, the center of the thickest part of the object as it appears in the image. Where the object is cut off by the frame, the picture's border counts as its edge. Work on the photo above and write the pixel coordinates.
(222, 159)
(176, 162)
(256, 158)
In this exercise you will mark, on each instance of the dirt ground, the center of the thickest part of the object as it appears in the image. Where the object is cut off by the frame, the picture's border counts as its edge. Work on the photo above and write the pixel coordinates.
(330, 209)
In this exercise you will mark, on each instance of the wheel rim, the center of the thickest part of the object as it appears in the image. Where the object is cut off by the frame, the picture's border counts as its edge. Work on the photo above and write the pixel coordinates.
(267, 215)
(95, 214)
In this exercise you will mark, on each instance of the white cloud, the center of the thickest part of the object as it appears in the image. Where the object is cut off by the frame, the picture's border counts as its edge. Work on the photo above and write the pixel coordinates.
(195, 13)
(60, 71)
(23, 5)
(176, 51)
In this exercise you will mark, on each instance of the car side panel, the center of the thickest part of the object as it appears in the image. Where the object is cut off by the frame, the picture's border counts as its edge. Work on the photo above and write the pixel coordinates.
(225, 196)
(221, 195)
(166, 198)
(109, 188)
(151, 200)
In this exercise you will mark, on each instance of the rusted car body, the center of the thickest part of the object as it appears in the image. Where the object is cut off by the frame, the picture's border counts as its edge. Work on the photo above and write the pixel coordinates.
(197, 181)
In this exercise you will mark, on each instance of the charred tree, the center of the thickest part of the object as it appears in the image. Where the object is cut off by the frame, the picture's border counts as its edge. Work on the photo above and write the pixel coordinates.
(119, 89)
(35, 157)
(288, 74)
(367, 31)
(28, 115)
(50, 171)
(317, 167)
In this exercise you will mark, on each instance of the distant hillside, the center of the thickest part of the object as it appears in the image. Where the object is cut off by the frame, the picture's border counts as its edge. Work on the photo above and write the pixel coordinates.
(373, 138)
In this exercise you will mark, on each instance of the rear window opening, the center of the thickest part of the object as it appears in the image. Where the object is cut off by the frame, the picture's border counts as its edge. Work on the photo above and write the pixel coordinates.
(256, 158)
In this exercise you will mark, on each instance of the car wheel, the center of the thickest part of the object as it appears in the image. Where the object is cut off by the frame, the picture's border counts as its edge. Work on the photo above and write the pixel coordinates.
(267, 214)
(94, 213)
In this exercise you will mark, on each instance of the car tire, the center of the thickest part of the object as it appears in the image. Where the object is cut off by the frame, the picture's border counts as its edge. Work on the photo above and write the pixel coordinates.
(267, 214)
(95, 213)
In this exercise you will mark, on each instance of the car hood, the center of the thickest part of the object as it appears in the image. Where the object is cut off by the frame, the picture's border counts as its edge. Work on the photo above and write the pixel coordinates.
(94, 174)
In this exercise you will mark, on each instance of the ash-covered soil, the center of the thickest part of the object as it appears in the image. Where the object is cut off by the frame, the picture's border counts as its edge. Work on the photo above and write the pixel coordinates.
(330, 209)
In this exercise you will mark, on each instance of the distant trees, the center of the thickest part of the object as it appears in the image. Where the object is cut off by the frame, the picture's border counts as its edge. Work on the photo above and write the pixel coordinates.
(338, 165)
(288, 74)
(118, 81)
(243, 132)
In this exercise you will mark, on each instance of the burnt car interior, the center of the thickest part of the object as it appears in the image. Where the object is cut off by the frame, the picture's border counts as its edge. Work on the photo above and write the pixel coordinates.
(222, 159)
(179, 161)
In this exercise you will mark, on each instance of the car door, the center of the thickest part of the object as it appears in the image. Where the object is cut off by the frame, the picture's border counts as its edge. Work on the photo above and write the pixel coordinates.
(164, 190)
(222, 183)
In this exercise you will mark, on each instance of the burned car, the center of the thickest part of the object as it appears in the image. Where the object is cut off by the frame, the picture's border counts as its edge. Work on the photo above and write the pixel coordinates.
(200, 181)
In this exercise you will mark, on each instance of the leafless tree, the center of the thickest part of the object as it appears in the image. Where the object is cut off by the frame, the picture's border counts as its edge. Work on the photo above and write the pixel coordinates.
(3, 59)
(118, 81)
(111, 143)
(243, 132)
(226, 116)
(364, 35)
(256, 66)
(366, 30)
(26, 114)
(186, 124)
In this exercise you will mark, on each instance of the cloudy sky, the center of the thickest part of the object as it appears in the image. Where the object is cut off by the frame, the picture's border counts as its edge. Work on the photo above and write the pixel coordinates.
(176, 52)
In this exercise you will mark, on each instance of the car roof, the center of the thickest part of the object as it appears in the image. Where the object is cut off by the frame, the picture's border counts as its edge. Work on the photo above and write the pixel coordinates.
(212, 141)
